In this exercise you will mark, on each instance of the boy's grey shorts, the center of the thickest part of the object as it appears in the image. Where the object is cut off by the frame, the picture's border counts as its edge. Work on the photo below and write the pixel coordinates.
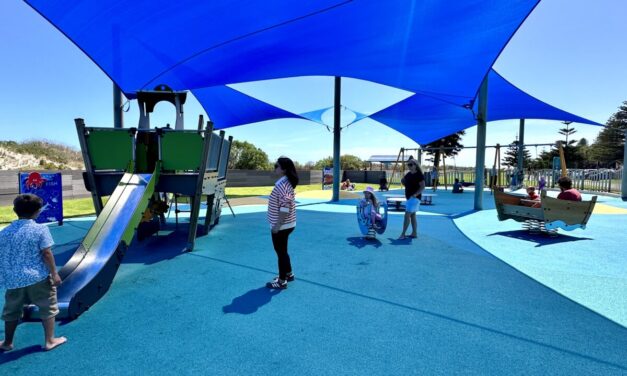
(42, 294)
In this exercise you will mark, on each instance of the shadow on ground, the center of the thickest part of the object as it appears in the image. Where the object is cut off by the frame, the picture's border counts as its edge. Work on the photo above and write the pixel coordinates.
(251, 301)
(361, 242)
(540, 239)
(6, 357)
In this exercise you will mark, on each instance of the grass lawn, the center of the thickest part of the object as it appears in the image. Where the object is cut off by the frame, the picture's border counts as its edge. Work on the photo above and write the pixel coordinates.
(237, 192)
(84, 206)
(71, 208)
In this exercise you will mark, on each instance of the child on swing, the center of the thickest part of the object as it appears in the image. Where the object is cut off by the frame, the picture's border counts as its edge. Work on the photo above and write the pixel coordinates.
(370, 198)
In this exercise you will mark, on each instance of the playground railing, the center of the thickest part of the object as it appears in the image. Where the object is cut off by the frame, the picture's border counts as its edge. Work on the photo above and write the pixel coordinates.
(595, 180)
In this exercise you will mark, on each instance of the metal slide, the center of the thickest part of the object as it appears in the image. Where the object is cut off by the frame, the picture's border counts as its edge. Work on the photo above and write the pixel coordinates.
(86, 277)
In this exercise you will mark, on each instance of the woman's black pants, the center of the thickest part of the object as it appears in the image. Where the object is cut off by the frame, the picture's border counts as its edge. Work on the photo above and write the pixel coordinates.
(279, 241)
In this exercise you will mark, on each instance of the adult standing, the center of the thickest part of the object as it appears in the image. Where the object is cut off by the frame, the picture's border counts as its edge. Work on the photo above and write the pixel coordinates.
(282, 218)
(414, 182)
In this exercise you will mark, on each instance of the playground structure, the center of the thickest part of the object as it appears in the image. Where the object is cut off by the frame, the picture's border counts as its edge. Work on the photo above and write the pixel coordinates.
(553, 213)
(138, 169)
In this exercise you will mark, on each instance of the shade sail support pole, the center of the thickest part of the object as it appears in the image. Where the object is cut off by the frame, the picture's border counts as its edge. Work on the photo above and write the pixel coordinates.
(521, 148)
(481, 141)
(336, 138)
(118, 115)
(624, 181)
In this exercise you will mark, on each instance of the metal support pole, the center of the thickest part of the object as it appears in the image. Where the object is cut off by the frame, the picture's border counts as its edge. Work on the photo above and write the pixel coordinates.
(481, 136)
(624, 181)
(336, 138)
(178, 125)
(118, 115)
(521, 148)
(89, 169)
(195, 204)
(144, 116)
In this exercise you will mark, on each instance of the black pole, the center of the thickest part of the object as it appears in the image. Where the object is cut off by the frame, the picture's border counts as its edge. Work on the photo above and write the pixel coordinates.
(118, 116)
(336, 138)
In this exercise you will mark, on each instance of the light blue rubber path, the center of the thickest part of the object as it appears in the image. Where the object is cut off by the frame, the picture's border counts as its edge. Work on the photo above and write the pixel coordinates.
(588, 266)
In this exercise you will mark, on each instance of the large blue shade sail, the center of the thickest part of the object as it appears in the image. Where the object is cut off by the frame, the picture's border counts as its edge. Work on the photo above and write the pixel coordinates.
(228, 107)
(429, 47)
(506, 101)
(427, 118)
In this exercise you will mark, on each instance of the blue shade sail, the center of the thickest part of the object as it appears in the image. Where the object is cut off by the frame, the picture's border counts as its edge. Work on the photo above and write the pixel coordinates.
(228, 107)
(506, 101)
(427, 118)
(430, 46)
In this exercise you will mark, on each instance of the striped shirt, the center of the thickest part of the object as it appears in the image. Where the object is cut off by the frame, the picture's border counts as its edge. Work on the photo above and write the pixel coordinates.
(282, 199)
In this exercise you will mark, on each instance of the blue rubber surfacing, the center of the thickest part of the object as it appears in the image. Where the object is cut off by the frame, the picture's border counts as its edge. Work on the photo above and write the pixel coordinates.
(438, 305)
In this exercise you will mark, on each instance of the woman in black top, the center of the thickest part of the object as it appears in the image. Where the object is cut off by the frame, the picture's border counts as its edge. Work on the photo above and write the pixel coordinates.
(414, 182)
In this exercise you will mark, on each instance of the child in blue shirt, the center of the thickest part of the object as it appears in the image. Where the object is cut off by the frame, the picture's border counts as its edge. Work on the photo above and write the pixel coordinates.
(457, 186)
(28, 271)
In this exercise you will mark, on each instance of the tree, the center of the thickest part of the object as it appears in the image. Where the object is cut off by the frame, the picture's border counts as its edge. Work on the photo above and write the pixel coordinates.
(584, 150)
(511, 156)
(347, 162)
(246, 156)
(608, 148)
(573, 154)
(568, 132)
(452, 143)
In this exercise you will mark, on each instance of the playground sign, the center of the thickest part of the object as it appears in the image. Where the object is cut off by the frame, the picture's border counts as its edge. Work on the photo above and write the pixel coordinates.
(327, 178)
(47, 186)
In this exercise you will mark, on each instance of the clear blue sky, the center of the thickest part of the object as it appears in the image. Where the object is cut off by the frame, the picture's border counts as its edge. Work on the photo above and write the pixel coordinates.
(569, 53)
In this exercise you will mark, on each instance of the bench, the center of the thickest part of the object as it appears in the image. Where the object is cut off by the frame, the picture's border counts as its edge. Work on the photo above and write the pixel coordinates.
(397, 200)
(427, 198)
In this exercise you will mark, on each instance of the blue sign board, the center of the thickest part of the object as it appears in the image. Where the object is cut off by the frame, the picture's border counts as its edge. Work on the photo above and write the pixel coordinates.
(50, 189)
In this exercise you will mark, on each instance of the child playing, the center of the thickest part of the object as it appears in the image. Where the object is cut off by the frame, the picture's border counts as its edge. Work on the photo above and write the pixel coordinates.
(541, 183)
(28, 271)
(370, 198)
(457, 186)
(532, 199)
(531, 193)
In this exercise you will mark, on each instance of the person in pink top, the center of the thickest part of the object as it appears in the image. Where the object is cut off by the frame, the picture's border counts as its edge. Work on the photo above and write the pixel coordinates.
(567, 190)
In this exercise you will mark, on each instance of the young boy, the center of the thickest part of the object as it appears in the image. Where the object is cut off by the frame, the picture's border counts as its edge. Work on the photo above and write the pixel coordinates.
(28, 271)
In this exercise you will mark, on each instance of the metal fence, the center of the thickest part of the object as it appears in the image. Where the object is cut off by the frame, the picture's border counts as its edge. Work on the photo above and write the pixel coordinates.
(596, 180)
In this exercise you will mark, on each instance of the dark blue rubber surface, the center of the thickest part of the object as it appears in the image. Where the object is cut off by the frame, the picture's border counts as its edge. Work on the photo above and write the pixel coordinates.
(436, 305)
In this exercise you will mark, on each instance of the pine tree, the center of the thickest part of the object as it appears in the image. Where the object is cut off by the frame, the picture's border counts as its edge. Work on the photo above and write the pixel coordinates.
(568, 131)
(452, 143)
(608, 148)
(511, 156)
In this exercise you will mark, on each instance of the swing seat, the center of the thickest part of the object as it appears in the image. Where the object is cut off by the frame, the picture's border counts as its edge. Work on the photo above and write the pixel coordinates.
(551, 215)
(364, 219)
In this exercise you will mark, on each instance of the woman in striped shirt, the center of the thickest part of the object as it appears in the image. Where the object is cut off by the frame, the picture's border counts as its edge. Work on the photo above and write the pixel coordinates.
(282, 218)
